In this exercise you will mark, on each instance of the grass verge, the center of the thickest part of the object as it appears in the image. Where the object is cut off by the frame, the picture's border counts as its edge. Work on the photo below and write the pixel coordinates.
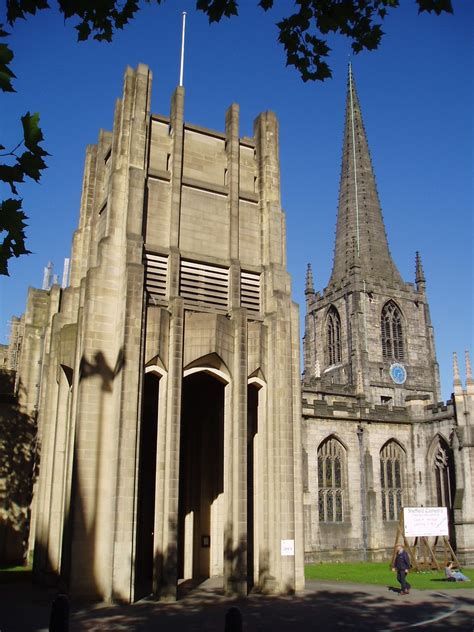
(14, 574)
(381, 575)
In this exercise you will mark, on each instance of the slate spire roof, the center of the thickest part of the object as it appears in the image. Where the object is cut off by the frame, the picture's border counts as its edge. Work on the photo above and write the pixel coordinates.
(360, 234)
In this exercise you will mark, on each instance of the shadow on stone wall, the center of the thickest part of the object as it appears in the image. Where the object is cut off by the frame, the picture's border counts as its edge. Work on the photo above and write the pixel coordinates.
(18, 472)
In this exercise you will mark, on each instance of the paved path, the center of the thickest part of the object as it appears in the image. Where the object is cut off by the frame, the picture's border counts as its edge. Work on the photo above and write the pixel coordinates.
(323, 606)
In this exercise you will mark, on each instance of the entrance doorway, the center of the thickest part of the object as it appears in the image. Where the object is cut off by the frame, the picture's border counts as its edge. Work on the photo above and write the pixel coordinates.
(252, 457)
(146, 487)
(201, 478)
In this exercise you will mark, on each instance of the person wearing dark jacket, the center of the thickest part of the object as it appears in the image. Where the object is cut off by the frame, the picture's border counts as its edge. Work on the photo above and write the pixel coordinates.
(402, 566)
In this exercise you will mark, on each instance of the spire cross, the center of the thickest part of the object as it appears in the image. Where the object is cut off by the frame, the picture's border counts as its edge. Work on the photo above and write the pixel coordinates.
(355, 162)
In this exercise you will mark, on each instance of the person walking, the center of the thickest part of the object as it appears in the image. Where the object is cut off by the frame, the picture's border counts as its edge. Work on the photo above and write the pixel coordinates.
(402, 566)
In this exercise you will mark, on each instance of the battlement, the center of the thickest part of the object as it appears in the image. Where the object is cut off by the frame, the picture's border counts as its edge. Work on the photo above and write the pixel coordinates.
(355, 410)
(359, 409)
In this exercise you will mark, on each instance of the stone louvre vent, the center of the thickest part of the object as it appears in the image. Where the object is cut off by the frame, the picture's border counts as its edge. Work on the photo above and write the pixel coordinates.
(156, 272)
(204, 285)
(250, 291)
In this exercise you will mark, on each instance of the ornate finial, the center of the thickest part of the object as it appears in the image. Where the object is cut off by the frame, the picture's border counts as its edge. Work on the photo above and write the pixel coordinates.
(309, 289)
(457, 379)
(469, 379)
(419, 274)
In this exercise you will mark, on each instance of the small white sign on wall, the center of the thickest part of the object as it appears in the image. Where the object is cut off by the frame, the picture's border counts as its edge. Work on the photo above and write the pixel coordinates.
(425, 521)
(287, 547)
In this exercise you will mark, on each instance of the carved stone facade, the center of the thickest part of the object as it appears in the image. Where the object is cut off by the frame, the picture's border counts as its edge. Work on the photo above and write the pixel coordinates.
(170, 399)
(371, 388)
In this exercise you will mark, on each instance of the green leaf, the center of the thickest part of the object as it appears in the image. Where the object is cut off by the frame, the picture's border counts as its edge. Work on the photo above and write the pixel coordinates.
(216, 9)
(83, 31)
(12, 222)
(32, 165)
(10, 175)
(33, 134)
(436, 6)
(6, 56)
(17, 9)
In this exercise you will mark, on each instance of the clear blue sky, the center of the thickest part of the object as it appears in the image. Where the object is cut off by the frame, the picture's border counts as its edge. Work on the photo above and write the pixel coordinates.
(416, 96)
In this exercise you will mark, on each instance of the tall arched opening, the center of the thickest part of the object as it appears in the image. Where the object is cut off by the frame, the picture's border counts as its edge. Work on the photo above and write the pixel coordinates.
(201, 478)
(252, 464)
(146, 487)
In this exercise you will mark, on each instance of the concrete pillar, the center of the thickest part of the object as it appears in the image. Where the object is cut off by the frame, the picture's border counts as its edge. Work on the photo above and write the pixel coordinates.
(235, 484)
(168, 461)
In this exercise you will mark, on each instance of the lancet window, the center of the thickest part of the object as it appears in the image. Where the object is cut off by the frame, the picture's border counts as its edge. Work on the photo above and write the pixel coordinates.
(444, 474)
(333, 329)
(331, 468)
(392, 332)
(391, 480)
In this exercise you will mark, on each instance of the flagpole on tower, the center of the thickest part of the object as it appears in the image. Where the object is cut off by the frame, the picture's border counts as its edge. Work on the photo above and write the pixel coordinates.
(181, 72)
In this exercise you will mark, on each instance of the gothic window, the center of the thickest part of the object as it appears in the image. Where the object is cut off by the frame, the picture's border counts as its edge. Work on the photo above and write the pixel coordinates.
(444, 474)
(331, 463)
(391, 480)
(333, 329)
(392, 332)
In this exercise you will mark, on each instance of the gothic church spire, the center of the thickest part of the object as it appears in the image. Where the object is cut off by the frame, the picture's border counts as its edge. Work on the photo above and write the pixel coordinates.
(359, 220)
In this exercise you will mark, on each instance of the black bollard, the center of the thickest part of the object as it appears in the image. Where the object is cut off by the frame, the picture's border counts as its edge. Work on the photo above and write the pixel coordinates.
(233, 620)
(59, 619)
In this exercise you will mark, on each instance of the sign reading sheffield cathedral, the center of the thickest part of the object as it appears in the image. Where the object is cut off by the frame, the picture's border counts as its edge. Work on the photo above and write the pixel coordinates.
(425, 521)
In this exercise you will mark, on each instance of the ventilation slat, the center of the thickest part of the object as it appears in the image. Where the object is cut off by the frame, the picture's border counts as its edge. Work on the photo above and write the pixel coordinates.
(156, 267)
(204, 285)
(250, 291)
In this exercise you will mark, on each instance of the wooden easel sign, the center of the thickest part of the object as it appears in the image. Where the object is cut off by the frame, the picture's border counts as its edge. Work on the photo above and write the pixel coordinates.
(423, 524)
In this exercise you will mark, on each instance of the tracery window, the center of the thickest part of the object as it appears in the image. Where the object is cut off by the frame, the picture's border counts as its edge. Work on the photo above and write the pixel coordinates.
(444, 474)
(331, 464)
(392, 332)
(391, 480)
(333, 329)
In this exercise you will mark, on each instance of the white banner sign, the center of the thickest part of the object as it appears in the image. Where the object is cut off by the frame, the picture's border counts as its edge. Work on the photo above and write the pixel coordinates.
(425, 521)
(287, 547)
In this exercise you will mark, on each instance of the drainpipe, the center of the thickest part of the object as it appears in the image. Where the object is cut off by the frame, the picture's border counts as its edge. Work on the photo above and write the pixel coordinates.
(363, 491)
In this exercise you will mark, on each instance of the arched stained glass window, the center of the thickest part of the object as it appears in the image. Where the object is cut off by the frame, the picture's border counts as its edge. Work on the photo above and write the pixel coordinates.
(331, 464)
(391, 480)
(333, 330)
(392, 332)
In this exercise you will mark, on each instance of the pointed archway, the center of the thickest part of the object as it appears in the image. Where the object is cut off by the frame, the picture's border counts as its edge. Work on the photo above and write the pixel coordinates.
(201, 478)
(146, 487)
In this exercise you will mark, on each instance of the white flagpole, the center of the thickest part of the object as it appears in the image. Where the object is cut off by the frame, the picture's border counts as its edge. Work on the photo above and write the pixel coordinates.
(181, 72)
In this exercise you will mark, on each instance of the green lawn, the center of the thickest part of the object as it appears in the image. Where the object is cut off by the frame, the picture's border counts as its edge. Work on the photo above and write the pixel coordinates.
(380, 573)
(14, 573)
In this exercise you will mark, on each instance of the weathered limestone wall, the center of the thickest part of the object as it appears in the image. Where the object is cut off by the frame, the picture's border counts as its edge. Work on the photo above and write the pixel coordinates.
(157, 192)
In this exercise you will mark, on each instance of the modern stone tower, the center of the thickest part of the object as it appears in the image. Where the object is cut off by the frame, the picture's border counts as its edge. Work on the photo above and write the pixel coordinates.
(170, 412)
(368, 333)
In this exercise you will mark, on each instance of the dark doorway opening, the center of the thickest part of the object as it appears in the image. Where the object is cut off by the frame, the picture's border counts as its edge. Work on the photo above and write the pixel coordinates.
(201, 479)
(146, 488)
(252, 429)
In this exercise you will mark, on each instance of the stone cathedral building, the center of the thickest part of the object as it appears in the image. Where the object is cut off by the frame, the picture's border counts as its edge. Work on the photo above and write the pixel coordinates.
(177, 438)
(375, 437)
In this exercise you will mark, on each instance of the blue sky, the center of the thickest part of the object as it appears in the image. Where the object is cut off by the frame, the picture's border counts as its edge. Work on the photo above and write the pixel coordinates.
(416, 96)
